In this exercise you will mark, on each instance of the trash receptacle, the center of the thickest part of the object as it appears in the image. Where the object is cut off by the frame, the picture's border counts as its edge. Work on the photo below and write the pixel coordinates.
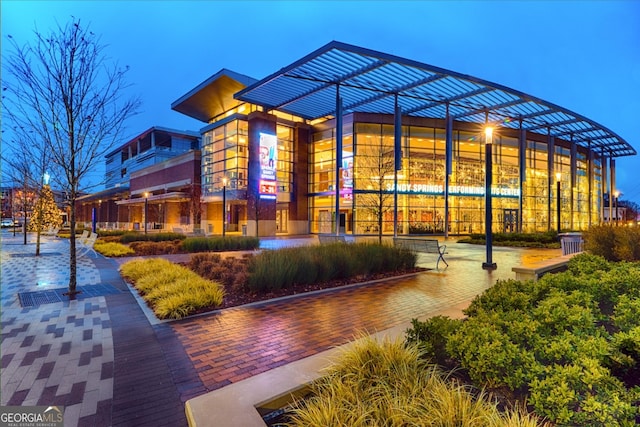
(244, 229)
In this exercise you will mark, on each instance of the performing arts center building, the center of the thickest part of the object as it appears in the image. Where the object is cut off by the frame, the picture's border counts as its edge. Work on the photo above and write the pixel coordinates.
(349, 140)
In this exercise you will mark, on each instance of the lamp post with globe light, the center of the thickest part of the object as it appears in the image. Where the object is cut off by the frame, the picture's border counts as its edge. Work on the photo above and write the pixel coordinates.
(488, 217)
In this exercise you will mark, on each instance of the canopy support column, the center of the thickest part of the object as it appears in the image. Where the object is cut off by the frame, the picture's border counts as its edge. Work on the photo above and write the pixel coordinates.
(448, 167)
(338, 157)
(397, 154)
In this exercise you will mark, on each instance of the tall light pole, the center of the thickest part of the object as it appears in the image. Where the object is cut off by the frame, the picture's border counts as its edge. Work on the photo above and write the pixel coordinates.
(488, 217)
(146, 211)
(224, 206)
(616, 194)
(558, 177)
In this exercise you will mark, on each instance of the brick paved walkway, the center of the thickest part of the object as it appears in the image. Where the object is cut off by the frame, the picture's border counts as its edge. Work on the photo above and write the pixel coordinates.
(234, 344)
(98, 356)
(108, 363)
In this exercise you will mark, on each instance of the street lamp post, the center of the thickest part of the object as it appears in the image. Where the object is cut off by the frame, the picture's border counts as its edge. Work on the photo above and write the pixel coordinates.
(146, 211)
(224, 206)
(488, 217)
(558, 177)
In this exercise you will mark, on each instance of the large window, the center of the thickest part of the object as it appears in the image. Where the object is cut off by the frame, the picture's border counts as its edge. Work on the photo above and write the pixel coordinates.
(536, 188)
(422, 177)
(581, 201)
(224, 154)
(322, 179)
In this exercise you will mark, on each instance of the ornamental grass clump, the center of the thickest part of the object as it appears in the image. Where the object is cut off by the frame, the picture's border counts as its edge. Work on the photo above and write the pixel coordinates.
(112, 249)
(171, 290)
(283, 268)
(389, 384)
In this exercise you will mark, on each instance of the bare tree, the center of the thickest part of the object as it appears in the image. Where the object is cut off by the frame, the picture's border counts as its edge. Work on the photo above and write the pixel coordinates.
(25, 165)
(63, 88)
(374, 175)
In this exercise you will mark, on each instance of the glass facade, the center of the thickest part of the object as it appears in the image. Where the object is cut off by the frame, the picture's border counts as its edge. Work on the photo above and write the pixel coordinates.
(367, 182)
(225, 154)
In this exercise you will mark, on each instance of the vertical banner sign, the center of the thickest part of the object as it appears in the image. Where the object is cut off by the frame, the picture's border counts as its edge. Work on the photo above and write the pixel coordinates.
(346, 190)
(268, 161)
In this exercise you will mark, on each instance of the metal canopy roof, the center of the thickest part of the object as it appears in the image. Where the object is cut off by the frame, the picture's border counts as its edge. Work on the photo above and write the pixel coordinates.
(368, 82)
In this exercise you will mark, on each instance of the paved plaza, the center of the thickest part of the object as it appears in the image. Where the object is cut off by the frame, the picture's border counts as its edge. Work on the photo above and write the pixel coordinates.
(108, 361)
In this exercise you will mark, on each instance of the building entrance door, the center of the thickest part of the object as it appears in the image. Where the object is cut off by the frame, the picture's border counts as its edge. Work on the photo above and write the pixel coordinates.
(510, 220)
(282, 220)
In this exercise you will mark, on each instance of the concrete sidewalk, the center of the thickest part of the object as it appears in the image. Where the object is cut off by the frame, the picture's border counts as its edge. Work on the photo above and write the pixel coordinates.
(109, 362)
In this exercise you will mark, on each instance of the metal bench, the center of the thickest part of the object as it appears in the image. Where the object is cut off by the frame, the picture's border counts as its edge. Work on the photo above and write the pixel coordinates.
(83, 247)
(331, 238)
(430, 246)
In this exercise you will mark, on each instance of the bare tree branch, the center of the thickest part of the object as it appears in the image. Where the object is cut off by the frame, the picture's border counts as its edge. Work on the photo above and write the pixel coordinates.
(64, 89)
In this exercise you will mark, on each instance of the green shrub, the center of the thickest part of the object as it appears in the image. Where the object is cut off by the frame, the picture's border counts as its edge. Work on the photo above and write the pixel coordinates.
(431, 337)
(130, 236)
(111, 233)
(219, 243)
(627, 243)
(112, 249)
(569, 342)
(490, 356)
(613, 243)
(586, 264)
(626, 313)
(565, 311)
(505, 295)
(547, 239)
(600, 240)
(582, 394)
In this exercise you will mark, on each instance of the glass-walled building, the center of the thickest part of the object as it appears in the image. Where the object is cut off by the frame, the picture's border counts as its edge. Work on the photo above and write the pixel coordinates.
(367, 183)
(394, 146)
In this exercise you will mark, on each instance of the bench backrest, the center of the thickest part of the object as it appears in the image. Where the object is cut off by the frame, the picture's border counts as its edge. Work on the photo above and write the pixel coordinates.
(571, 244)
(419, 245)
(83, 237)
(91, 240)
(324, 238)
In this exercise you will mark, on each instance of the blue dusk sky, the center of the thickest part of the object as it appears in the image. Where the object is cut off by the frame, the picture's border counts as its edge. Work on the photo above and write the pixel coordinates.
(581, 55)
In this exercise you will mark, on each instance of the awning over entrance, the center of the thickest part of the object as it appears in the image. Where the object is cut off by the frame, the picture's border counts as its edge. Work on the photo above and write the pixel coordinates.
(166, 197)
(369, 81)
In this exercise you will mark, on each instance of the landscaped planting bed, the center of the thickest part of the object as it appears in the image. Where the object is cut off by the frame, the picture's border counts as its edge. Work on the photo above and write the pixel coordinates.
(390, 384)
(171, 290)
(567, 345)
(141, 244)
(523, 240)
(272, 274)
(269, 274)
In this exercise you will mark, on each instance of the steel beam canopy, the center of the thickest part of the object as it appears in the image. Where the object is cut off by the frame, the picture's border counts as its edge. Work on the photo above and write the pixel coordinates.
(370, 80)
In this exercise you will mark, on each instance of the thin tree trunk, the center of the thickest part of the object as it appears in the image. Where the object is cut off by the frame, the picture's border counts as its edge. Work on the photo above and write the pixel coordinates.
(72, 250)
